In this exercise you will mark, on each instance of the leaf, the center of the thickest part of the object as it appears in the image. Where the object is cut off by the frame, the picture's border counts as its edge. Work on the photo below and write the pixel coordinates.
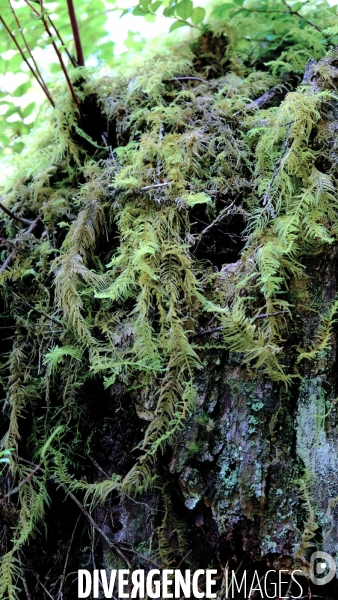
(154, 6)
(176, 25)
(198, 15)
(222, 11)
(139, 11)
(239, 2)
(28, 109)
(184, 9)
(169, 11)
(295, 7)
(22, 89)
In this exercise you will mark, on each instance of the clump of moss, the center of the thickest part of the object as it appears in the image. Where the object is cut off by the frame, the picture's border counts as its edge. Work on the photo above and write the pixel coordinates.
(195, 201)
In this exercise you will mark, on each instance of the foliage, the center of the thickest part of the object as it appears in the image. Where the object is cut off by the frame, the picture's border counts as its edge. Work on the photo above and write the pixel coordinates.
(110, 286)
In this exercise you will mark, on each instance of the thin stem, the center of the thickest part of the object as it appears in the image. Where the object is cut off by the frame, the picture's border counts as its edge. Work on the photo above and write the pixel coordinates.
(81, 507)
(27, 62)
(36, 12)
(38, 73)
(13, 216)
(60, 59)
(76, 34)
(19, 486)
(8, 261)
(295, 12)
(71, 58)
(36, 309)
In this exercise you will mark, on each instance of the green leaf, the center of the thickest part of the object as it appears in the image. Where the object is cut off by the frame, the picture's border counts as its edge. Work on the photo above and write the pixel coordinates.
(295, 7)
(139, 11)
(154, 6)
(169, 11)
(198, 15)
(22, 89)
(239, 2)
(222, 11)
(176, 25)
(184, 9)
(28, 109)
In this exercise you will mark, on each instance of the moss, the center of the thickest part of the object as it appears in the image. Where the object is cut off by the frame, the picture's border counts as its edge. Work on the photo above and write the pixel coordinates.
(161, 245)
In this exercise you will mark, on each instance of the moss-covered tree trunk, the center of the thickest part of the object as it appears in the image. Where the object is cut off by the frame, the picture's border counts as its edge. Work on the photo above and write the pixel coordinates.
(169, 324)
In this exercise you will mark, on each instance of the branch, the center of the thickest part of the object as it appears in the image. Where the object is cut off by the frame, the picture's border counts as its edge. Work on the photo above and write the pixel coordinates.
(13, 216)
(36, 309)
(267, 198)
(36, 12)
(27, 62)
(58, 54)
(38, 75)
(295, 12)
(76, 34)
(71, 58)
(8, 261)
(81, 507)
(221, 327)
(155, 185)
(265, 315)
(11, 257)
(19, 486)
(190, 78)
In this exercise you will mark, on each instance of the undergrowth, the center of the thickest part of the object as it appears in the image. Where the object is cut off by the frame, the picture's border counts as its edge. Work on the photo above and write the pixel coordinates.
(111, 284)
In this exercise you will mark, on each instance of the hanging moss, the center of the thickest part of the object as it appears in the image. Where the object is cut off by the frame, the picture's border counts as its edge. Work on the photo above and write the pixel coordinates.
(171, 219)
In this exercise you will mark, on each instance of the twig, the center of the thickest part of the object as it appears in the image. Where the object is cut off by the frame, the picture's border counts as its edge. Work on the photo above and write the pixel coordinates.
(11, 256)
(33, 307)
(63, 576)
(295, 12)
(82, 508)
(221, 327)
(267, 199)
(60, 59)
(71, 58)
(219, 218)
(76, 34)
(265, 315)
(27, 62)
(19, 486)
(190, 78)
(28, 596)
(155, 185)
(8, 261)
(259, 102)
(36, 12)
(43, 587)
(38, 75)
(16, 217)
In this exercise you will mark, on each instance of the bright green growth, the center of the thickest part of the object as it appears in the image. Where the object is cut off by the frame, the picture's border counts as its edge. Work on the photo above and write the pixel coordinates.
(115, 289)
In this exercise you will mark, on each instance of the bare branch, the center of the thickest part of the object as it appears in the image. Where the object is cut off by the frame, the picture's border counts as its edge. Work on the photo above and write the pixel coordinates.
(13, 216)
(27, 62)
(76, 34)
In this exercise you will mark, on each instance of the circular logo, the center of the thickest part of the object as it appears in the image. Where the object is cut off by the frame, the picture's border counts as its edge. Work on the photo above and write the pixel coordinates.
(322, 568)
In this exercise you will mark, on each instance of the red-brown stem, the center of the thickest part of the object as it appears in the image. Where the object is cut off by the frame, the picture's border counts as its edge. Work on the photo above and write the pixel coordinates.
(27, 62)
(76, 34)
(71, 58)
(13, 216)
(58, 54)
(38, 76)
